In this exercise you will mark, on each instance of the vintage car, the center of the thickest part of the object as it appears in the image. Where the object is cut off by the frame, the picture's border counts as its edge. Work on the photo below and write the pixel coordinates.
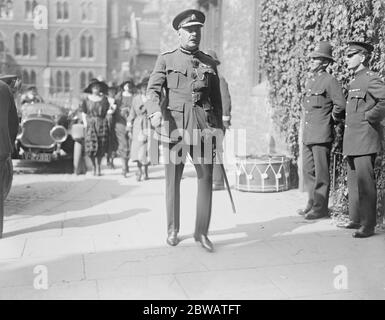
(43, 134)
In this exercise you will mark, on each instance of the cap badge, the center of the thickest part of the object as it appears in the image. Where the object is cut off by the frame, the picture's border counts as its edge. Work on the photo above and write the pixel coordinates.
(193, 17)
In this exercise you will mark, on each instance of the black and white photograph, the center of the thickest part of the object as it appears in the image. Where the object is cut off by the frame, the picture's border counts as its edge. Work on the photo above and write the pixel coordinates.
(193, 155)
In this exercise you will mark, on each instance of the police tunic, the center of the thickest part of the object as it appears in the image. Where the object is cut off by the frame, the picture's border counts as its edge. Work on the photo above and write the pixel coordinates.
(322, 98)
(364, 111)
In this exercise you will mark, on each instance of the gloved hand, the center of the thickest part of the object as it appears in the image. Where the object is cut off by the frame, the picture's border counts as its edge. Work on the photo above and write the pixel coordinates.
(156, 119)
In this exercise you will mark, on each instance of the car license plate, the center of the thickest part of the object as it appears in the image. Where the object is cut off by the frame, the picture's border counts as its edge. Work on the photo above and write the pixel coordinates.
(43, 157)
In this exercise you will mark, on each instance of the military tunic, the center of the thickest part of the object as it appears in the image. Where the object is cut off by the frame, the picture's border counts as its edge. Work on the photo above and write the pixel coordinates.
(364, 112)
(192, 103)
(323, 100)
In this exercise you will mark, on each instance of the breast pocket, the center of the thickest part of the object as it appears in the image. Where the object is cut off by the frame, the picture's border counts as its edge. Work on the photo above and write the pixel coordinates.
(318, 98)
(358, 98)
(176, 77)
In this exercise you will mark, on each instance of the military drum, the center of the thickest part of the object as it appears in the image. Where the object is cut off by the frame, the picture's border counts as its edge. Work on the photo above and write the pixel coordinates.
(263, 173)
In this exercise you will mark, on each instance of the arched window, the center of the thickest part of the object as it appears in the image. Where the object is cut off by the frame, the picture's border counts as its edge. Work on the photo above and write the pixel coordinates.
(67, 44)
(59, 12)
(25, 44)
(90, 76)
(33, 44)
(83, 46)
(33, 77)
(59, 45)
(28, 10)
(17, 44)
(83, 80)
(90, 46)
(59, 82)
(25, 77)
(65, 10)
(67, 81)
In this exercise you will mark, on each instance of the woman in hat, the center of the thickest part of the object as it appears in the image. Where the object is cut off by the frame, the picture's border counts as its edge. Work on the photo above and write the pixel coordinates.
(138, 123)
(94, 111)
(124, 103)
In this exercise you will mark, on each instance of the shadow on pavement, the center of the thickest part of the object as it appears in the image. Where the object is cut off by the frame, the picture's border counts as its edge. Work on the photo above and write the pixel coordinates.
(83, 221)
(39, 198)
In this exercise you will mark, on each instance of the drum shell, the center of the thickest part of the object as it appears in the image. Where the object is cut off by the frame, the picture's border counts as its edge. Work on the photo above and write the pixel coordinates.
(263, 174)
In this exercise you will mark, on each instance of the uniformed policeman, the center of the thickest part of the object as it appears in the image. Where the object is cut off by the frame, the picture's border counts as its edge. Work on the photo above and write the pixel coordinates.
(9, 125)
(192, 105)
(364, 110)
(218, 179)
(324, 103)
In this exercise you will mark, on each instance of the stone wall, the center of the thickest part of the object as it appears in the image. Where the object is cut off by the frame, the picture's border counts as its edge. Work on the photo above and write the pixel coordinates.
(239, 59)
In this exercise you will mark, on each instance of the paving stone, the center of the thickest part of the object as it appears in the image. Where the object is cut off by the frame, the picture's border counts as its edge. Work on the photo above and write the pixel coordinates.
(42, 247)
(163, 287)
(141, 262)
(229, 285)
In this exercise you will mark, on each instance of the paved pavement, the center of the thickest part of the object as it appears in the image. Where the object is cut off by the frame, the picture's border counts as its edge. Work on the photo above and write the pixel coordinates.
(83, 237)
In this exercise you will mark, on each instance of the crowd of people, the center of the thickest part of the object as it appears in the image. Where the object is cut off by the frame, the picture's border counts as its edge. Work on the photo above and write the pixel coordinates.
(116, 124)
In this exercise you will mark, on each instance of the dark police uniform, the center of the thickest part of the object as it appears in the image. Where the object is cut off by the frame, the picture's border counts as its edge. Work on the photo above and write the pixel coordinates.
(193, 101)
(9, 125)
(364, 110)
(323, 98)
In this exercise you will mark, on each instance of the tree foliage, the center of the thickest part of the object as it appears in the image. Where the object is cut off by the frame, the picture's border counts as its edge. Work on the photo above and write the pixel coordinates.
(290, 30)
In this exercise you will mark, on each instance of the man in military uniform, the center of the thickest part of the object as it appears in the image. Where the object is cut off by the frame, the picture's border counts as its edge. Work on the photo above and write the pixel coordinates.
(364, 110)
(191, 106)
(324, 102)
(218, 179)
(9, 125)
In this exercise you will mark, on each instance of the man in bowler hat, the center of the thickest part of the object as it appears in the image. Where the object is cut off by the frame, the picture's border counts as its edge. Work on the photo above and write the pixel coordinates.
(218, 179)
(9, 125)
(323, 103)
(364, 111)
(192, 105)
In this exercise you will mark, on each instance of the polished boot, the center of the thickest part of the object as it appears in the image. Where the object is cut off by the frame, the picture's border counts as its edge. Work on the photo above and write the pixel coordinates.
(349, 225)
(363, 233)
(312, 215)
(172, 239)
(205, 242)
